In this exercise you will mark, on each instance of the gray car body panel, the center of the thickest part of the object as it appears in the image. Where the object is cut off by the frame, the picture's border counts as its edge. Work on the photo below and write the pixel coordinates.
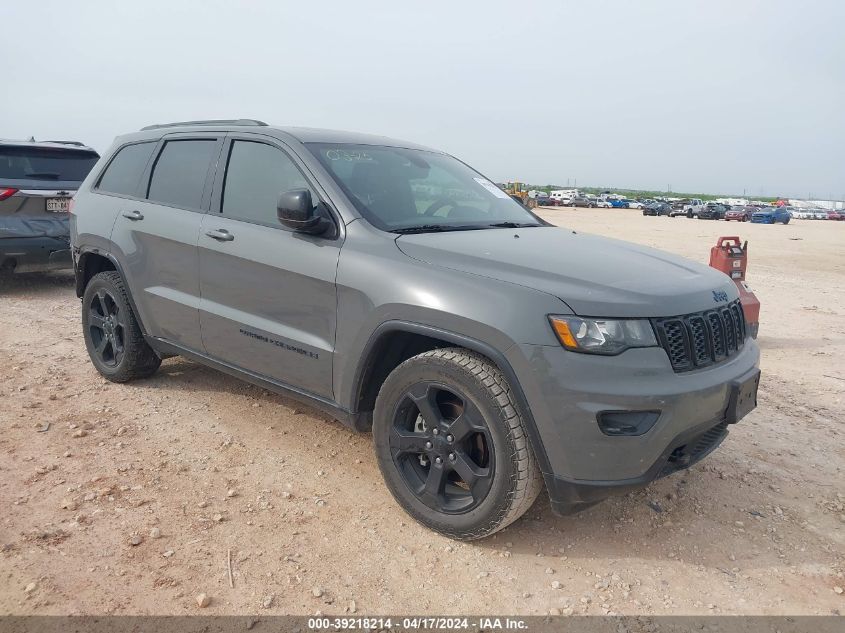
(323, 303)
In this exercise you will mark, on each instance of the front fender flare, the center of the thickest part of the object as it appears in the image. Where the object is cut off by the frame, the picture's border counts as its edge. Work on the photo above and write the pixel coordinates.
(460, 340)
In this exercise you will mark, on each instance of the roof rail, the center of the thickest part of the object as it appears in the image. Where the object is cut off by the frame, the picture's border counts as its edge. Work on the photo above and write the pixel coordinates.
(206, 122)
(76, 143)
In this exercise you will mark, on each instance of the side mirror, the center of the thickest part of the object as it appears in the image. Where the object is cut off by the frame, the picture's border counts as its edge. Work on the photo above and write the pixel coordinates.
(296, 211)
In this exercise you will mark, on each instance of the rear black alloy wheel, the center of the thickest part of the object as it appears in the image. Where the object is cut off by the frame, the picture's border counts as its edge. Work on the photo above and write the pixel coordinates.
(113, 337)
(452, 444)
(106, 327)
(441, 447)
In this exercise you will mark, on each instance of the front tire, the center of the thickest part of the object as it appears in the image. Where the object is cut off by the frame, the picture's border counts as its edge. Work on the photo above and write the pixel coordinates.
(112, 335)
(452, 445)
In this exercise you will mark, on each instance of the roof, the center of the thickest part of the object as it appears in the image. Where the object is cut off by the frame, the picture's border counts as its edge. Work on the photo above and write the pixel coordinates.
(68, 145)
(320, 135)
(301, 134)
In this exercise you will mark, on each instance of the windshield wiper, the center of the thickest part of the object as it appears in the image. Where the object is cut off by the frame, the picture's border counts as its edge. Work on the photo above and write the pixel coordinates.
(513, 225)
(438, 228)
(43, 175)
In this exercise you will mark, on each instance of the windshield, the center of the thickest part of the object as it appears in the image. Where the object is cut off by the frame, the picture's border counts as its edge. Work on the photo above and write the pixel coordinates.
(403, 189)
(35, 163)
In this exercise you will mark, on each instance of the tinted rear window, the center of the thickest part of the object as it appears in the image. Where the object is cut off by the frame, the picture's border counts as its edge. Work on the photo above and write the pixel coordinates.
(37, 163)
(179, 173)
(124, 171)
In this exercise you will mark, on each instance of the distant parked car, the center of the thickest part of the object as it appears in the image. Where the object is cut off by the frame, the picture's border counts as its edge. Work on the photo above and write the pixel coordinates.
(712, 211)
(582, 201)
(657, 208)
(835, 215)
(37, 181)
(602, 204)
(541, 197)
(619, 204)
(633, 204)
(802, 214)
(771, 215)
(694, 207)
(740, 213)
(679, 207)
(820, 214)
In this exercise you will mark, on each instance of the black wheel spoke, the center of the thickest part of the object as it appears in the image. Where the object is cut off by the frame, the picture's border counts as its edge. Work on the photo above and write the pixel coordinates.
(470, 472)
(423, 396)
(95, 320)
(470, 421)
(402, 441)
(101, 303)
(432, 491)
(101, 346)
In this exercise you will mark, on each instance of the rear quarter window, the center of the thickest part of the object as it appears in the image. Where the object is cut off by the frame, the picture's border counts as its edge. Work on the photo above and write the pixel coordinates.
(123, 173)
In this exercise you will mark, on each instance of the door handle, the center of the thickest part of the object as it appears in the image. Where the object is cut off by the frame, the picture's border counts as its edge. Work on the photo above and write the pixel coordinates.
(133, 215)
(221, 235)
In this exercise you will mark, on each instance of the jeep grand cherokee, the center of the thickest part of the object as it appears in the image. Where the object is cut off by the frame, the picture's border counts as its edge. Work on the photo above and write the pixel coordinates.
(401, 291)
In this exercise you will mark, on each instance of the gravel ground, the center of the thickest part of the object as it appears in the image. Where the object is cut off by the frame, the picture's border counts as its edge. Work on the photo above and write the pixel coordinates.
(132, 499)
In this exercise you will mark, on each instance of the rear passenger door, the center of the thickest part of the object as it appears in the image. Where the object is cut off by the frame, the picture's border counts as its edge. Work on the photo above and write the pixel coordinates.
(268, 293)
(157, 234)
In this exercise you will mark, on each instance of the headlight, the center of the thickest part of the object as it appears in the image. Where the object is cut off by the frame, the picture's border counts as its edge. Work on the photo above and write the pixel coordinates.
(602, 336)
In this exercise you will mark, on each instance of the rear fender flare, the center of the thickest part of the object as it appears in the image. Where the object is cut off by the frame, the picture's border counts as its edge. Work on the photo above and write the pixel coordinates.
(80, 287)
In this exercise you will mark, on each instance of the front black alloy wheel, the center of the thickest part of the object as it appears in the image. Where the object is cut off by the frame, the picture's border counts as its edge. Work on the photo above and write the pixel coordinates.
(452, 444)
(441, 447)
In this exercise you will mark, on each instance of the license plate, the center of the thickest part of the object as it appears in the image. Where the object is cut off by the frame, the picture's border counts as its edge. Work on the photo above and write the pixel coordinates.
(743, 398)
(58, 205)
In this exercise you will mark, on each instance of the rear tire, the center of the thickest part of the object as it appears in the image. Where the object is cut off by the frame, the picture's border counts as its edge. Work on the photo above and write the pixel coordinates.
(112, 335)
(452, 445)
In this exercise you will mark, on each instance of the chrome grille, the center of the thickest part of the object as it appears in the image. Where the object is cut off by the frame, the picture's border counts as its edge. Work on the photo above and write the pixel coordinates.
(703, 338)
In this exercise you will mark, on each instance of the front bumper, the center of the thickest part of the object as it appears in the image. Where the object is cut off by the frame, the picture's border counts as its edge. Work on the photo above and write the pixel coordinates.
(569, 496)
(566, 391)
(34, 254)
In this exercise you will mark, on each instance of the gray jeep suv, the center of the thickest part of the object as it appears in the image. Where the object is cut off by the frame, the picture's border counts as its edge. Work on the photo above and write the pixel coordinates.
(401, 291)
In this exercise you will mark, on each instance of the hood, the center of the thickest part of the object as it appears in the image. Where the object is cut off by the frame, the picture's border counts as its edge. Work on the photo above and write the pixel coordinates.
(594, 276)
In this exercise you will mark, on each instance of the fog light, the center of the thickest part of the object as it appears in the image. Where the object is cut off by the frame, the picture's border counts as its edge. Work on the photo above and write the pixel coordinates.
(627, 422)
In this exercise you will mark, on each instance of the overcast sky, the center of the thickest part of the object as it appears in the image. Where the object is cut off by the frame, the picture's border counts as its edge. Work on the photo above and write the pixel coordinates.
(712, 96)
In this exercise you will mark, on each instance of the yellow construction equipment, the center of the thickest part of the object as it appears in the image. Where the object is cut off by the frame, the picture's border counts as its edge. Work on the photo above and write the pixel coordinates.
(517, 192)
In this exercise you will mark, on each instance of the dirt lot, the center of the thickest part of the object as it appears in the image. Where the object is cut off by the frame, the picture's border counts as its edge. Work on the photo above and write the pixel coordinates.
(209, 465)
